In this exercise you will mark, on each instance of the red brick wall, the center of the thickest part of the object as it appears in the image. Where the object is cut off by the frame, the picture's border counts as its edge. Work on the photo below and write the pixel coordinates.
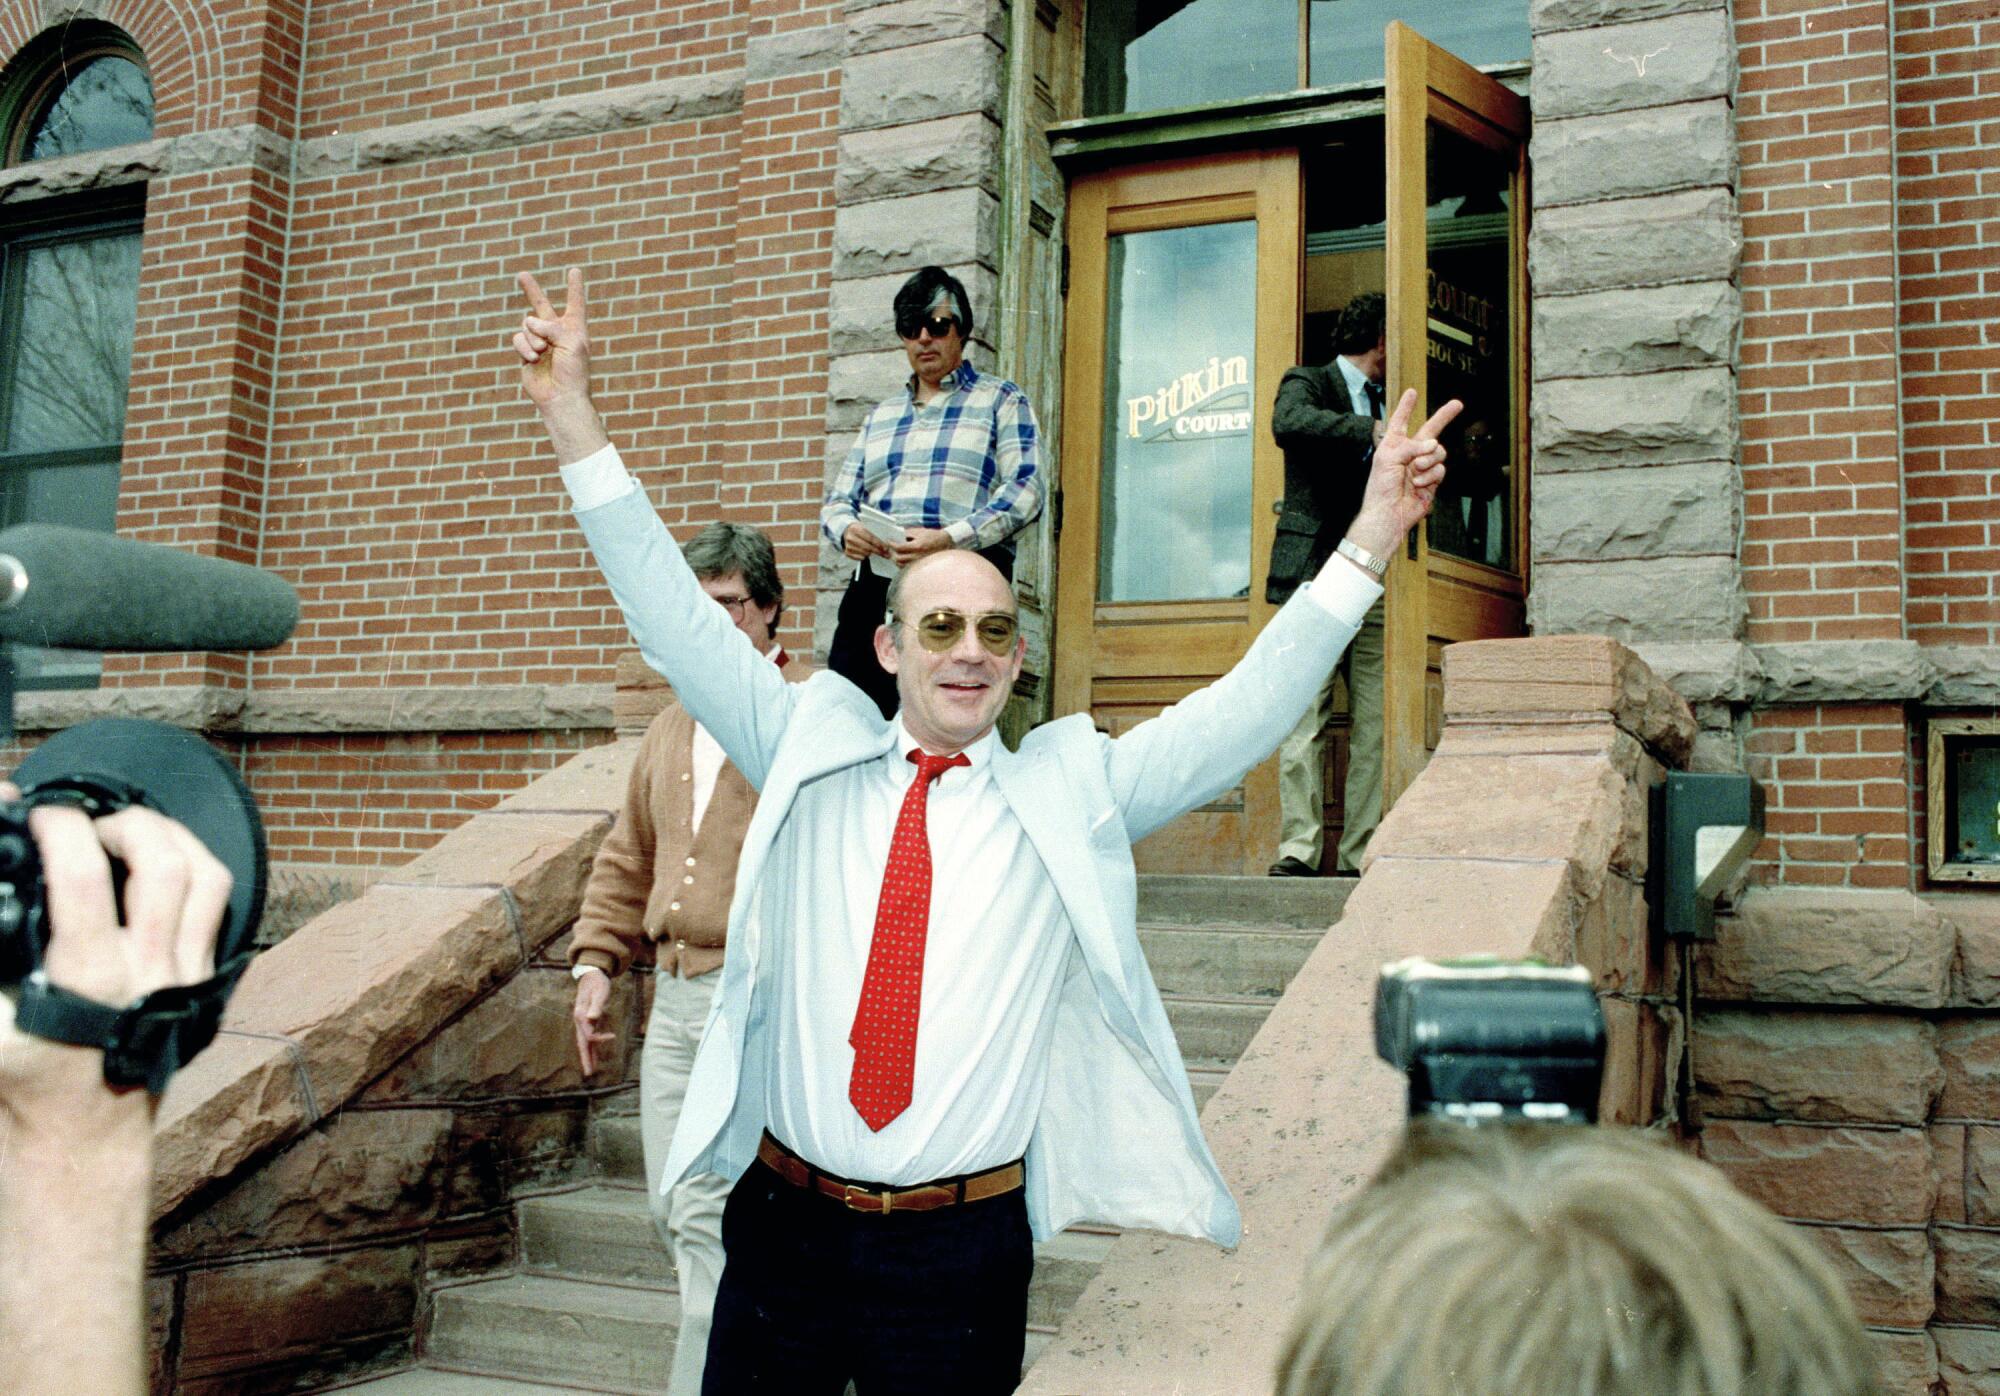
(385, 799)
(1836, 783)
(1948, 194)
(321, 382)
(1818, 377)
(380, 63)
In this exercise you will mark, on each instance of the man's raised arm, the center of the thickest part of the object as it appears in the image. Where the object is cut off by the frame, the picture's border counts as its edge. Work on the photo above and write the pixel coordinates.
(717, 674)
(1202, 745)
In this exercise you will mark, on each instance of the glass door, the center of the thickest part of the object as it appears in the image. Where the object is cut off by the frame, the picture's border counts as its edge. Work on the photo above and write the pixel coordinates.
(1182, 315)
(1457, 327)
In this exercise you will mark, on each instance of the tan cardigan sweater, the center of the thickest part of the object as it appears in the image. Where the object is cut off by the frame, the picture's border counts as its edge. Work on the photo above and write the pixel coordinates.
(658, 878)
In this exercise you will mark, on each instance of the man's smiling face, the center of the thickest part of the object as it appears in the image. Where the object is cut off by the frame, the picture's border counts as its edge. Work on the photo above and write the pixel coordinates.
(951, 698)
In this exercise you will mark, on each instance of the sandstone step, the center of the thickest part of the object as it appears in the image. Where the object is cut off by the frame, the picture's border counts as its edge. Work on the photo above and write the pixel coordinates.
(595, 1234)
(1064, 1264)
(1213, 1029)
(535, 1327)
(606, 1234)
(1205, 1080)
(616, 1150)
(1200, 899)
(1234, 960)
(434, 1381)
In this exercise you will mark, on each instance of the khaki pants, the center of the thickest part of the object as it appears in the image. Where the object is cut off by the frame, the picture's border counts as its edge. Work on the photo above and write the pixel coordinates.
(1301, 758)
(689, 1219)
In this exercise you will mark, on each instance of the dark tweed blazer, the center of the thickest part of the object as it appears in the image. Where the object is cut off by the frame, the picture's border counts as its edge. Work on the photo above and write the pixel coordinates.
(1327, 439)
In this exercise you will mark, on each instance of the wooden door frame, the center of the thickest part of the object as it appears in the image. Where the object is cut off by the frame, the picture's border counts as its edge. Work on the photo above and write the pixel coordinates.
(1425, 82)
(1262, 185)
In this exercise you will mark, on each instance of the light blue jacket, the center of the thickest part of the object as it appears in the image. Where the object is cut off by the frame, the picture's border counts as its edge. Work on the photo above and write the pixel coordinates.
(1118, 1140)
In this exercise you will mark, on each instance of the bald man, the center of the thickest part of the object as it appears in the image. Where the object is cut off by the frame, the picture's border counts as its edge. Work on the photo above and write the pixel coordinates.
(936, 1037)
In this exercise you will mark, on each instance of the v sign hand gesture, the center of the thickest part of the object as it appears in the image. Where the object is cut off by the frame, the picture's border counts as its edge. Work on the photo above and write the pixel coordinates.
(555, 367)
(1404, 477)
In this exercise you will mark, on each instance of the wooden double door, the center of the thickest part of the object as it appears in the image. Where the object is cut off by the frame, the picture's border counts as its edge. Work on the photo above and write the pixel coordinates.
(1195, 284)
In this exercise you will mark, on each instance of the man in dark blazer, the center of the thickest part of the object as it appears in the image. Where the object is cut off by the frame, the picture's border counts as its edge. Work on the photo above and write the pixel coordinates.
(1327, 420)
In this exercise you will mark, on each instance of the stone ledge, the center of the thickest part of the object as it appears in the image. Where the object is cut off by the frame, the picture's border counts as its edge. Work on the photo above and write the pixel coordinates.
(1512, 679)
(900, 24)
(1805, 1064)
(1693, 508)
(1865, 670)
(941, 78)
(1641, 600)
(1877, 949)
(1641, 63)
(767, 57)
(948, 227)
(1833, 1173)
(276, 712)
(1653, 240)
(230, 147)
(526, 123)
(1704, 671)
(1645, 419)
(1546, 16)
(1692, 324)
(1620, 154)
(887, 162)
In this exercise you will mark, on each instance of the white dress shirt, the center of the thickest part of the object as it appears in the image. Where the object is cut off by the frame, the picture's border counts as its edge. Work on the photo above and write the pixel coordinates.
(995, 953)
(1357, 385)
(998, 947)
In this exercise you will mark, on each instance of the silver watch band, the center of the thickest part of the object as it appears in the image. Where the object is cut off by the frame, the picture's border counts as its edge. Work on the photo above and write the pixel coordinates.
(1354, 552)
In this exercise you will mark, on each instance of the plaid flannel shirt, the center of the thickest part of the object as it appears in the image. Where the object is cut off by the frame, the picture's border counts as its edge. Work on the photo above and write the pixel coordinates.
(968, 462)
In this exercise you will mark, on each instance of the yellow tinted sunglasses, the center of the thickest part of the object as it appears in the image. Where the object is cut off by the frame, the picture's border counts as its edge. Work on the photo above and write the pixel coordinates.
(938, 631)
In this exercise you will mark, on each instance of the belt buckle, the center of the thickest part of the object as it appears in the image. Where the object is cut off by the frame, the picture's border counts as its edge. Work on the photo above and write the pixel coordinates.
(868, 1199)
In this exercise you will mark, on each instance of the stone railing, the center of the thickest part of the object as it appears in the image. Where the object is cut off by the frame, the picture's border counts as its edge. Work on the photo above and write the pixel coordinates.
(390, 1079)
(1525, 834)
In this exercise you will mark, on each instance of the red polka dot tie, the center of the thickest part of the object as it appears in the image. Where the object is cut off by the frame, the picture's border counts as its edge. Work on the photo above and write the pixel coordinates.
(884, 1035)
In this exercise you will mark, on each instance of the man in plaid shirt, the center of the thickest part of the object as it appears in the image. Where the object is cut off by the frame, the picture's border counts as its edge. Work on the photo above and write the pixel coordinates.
(954, 460)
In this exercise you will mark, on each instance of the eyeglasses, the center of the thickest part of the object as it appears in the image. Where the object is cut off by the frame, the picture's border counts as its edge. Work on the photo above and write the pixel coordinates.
(938, 631)
(938, 325)
(732, 604)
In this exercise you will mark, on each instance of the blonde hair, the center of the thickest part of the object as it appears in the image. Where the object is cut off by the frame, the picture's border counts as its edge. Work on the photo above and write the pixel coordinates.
(1539, 1260)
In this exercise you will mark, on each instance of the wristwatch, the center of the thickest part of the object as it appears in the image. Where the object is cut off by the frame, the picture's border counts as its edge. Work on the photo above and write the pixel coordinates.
(1355, 553)
(146, 1041)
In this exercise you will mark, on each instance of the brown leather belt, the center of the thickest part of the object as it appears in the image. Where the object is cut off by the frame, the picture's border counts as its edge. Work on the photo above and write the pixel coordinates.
(925, 1197)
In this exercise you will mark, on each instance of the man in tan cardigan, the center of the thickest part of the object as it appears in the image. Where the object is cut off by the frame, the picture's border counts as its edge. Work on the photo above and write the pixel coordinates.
(665, 874)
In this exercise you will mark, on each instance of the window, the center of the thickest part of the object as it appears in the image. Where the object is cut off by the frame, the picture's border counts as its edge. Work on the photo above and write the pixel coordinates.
(1151, 55)
(1963, 784)
(69, 289)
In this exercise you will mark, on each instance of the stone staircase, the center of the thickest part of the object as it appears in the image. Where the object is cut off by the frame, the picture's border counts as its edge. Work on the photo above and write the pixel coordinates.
(592, 1304)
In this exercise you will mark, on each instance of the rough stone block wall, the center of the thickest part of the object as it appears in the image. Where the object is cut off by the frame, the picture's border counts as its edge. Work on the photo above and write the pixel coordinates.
(1846, 1049)
(915, 181)
(1633, 252)
(1947, 96)
(389, 1083)
(336, 204)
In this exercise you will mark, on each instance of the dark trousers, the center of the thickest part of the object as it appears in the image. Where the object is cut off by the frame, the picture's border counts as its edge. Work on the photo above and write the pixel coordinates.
(851, 653)
(911, 1304)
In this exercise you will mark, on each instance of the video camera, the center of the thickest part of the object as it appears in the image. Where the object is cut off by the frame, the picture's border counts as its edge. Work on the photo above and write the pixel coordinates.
(71, 588)
(1485, 1040)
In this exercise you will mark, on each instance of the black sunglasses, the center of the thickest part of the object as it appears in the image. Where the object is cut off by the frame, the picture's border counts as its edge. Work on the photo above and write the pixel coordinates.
(938, 325)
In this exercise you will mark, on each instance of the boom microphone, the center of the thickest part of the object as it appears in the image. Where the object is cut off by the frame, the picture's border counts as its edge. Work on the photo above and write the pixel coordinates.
(72, 588)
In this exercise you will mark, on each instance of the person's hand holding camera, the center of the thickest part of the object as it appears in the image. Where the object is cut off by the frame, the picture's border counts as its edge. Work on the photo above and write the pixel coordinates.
(175, 895)
(76, 1153)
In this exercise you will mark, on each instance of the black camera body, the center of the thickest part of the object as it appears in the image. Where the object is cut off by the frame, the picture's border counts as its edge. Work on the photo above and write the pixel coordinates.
(1486, 1040)
(102, 767)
